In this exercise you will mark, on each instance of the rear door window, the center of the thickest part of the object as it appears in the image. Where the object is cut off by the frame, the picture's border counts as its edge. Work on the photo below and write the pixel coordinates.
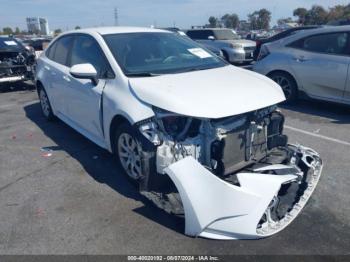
(333, 43)
(60, 51)
(51, 51)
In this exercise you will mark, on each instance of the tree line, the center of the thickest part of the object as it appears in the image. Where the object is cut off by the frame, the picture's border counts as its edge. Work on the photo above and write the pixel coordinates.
(261, 19)
(17, 31)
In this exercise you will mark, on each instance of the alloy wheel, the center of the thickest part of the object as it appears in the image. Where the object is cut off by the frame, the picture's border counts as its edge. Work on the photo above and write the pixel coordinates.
(285, 84)
(44, 102)
(129, 155)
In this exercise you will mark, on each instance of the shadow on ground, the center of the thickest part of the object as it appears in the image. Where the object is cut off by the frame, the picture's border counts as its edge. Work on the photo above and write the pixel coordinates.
(99, 164)
(337, 113)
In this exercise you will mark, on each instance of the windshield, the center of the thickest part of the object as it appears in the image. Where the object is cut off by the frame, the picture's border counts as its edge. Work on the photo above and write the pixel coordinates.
(159, 53)
(226, 35)
(10, 44)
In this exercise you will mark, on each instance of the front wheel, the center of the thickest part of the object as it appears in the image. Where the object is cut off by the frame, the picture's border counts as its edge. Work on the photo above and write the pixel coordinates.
(129, 153)
(288, 85)
(136, 156)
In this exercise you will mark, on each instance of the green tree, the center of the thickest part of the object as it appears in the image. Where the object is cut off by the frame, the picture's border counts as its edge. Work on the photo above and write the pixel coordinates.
(260, 19)
(230, 21)
(7, 31)
(58, 31)
(317, 15)
(17, 31)
(338, 12)
(77, 27)
(301, 14)
(282, 21)
(213, 22)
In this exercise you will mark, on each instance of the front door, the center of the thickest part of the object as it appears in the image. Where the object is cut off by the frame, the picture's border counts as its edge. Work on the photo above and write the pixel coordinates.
(84, 97)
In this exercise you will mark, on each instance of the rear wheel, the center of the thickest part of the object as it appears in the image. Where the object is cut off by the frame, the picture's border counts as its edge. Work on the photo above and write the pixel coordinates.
(288, 85)
(45, 105)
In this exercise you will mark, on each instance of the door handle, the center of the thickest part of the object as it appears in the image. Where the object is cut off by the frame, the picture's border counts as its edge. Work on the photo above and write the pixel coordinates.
(47, 68)
(66, 78)
(300, 59)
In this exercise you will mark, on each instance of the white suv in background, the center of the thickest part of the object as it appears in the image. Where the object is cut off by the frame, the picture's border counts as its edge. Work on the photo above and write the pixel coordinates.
(213, 150)
(235, 49)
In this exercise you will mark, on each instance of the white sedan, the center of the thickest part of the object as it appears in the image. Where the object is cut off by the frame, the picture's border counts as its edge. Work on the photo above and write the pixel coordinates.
(183, 124)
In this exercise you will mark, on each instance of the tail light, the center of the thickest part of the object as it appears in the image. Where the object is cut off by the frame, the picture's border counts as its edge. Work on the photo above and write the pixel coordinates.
(264, 52)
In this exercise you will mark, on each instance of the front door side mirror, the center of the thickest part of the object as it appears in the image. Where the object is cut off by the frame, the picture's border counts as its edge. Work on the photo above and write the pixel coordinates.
(84, 71)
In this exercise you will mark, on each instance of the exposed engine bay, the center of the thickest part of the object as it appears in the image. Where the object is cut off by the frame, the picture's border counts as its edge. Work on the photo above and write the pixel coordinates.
(16, 63)
(239, 154)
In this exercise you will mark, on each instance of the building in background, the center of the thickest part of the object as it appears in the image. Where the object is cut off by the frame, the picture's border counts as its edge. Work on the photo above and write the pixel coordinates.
(37, 25)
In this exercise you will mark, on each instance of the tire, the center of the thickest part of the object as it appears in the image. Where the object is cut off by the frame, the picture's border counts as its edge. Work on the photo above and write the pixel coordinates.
(45, 105)
(288, 85)
(143, 171)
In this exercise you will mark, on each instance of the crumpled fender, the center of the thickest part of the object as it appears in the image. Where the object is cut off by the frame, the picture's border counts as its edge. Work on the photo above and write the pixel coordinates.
(219, 210)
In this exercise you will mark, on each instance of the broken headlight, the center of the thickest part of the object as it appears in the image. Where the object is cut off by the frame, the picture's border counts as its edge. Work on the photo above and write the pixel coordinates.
(173, 125)
(176, 126)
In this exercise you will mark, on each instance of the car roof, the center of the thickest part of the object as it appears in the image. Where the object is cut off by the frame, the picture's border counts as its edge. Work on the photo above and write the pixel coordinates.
(117, 30)
(309, 32)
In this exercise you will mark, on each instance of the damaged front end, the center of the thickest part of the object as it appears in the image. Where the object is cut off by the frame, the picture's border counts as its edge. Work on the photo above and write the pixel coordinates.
(16, 64)
(237, 177)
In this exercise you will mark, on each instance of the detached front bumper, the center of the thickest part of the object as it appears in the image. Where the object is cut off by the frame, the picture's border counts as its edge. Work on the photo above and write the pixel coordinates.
(217, 209)
(12, 79)
(11, 74)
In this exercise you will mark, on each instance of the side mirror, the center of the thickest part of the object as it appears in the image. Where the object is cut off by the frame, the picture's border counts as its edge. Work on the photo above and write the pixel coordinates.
(84, 71)
(212, 38)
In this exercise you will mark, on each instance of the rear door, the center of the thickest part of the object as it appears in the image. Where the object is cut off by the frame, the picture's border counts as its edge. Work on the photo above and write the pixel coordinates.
(321, 63)
(56, 67)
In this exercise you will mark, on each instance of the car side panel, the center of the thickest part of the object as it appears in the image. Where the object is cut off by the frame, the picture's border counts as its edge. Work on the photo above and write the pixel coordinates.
(277, 61)
(321, 75)
(119, 100)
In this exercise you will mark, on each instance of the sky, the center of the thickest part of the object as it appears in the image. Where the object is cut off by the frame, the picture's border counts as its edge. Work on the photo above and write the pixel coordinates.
(66, 14)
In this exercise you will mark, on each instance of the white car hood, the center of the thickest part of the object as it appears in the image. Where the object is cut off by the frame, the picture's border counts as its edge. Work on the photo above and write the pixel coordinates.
(214, 93)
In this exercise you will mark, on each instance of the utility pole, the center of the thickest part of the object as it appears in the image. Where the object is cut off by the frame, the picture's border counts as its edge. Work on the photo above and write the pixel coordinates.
(116, 17)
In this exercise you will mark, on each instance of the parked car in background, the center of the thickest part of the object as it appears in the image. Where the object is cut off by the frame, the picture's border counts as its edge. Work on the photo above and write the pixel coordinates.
(193, 131)
(211, 48)
(235, 49)
(17, 63)
(314, 61)
(38, 44)
(279, 36)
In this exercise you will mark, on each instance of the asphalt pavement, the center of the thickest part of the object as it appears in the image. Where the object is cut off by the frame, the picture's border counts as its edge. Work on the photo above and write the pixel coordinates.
(62, 194)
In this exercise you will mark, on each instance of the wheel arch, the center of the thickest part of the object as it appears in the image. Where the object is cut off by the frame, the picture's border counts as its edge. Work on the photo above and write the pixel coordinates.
(38, 85)
(117, 120)
(285, 72)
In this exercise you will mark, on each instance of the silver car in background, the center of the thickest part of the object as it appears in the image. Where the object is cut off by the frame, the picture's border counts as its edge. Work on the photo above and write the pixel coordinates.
(235, 49)
(314, 62)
